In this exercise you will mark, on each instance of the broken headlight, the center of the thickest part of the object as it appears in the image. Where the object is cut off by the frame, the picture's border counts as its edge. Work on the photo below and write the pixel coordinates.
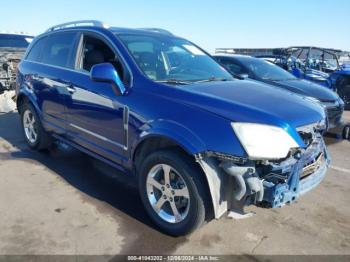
(264, 141)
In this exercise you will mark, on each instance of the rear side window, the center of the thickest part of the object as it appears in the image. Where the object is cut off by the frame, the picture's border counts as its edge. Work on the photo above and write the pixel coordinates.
(59, 49)
(35, 51)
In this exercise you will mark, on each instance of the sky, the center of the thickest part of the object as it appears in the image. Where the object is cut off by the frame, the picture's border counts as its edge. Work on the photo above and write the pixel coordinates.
(210, 24)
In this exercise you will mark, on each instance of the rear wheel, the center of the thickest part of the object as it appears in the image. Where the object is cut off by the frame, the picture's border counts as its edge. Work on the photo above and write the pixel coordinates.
(172, 192)
(35, 135)
(343, 89)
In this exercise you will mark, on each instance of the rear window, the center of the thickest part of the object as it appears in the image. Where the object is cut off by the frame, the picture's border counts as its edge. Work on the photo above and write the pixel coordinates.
(58, 49)
(15, 41)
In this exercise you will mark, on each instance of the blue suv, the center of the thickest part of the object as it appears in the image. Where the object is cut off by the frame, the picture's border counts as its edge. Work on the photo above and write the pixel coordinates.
(197, 142)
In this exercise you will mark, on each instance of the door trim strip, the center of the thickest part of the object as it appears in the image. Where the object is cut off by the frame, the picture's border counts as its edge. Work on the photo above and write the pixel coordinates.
(99, 136)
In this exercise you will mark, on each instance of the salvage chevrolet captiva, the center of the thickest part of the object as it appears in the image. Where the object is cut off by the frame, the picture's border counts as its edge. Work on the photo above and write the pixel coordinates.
(197, 142)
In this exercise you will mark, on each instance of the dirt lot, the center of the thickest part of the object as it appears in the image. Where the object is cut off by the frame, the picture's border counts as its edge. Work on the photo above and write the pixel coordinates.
(60, 203)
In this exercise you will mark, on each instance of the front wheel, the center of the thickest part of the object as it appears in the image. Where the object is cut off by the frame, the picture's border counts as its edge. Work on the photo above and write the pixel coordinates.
(173, 193)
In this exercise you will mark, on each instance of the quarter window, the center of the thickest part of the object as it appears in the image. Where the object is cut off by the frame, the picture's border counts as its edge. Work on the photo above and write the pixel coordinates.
(58, 49)
(35, 51)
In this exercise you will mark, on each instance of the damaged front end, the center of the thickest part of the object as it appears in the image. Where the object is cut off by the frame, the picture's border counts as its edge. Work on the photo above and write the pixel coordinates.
(238, 182)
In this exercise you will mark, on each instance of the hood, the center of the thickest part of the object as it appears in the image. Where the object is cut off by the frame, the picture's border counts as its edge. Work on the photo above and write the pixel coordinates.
(308, 88)
(251, 101)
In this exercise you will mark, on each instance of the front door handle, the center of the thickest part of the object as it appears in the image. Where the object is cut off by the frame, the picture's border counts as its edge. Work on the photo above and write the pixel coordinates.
(71, 89)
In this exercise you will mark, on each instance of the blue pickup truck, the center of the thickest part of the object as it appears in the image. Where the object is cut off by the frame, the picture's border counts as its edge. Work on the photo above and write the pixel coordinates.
(197, 142)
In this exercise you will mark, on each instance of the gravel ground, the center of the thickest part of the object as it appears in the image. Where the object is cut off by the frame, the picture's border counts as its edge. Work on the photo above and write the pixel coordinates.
(61, 203)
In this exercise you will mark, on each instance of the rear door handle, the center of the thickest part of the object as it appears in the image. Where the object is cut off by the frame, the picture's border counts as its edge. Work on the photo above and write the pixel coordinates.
(71, 89)
(36, 77)
(33, 77)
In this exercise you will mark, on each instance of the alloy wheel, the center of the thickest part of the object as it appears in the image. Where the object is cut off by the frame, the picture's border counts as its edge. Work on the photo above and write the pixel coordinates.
(30, 127)
(168, 193)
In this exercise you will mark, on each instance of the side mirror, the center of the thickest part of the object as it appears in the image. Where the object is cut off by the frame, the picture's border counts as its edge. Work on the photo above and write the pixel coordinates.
(106, 73)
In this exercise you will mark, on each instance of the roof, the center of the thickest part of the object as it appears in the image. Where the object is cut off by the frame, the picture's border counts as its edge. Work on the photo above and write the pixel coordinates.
(236, 56)
(140, 31)
(83, 24)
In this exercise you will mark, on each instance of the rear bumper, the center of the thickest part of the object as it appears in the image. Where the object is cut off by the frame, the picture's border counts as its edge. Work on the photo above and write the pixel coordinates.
(277, 195)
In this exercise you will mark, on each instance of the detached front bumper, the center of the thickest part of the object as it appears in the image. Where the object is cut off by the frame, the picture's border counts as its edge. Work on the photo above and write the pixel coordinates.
(235, 182)
(304, 175)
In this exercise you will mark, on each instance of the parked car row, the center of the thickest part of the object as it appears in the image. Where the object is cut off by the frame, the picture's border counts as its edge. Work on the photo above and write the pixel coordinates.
(266, 72)
(318, 65)
(198, 140)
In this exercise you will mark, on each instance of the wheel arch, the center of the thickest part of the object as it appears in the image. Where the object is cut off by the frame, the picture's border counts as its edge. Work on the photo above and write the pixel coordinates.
(167, 133)
(158, 141)
(25, 96)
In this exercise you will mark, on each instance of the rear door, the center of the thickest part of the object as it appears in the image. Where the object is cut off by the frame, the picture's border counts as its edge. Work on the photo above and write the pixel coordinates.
(48, 70)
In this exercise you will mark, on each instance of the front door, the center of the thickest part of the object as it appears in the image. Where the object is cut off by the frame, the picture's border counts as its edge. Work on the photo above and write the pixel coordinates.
(96, 115)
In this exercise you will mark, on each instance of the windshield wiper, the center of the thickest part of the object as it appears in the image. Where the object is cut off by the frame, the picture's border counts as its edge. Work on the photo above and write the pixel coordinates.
(280, 80)
(237, 76)
(174, 82)
(212, 79)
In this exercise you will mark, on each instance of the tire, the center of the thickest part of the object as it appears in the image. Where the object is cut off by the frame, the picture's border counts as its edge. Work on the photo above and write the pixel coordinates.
(192, 211)
(346, 132)
(41, 140)
(343, 90)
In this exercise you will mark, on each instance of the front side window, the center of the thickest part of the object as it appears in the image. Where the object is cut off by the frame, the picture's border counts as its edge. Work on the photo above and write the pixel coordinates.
(58, 49)
(95, 51)
(233, 67)
(163, 58)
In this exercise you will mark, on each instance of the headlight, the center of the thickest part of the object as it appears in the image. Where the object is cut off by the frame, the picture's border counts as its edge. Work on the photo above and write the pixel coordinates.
(330, 104)
(264, 141)
(313, 100)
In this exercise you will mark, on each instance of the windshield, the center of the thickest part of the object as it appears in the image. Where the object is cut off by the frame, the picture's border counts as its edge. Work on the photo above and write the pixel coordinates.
(16, 41)
(268, 71)
(168, 59)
